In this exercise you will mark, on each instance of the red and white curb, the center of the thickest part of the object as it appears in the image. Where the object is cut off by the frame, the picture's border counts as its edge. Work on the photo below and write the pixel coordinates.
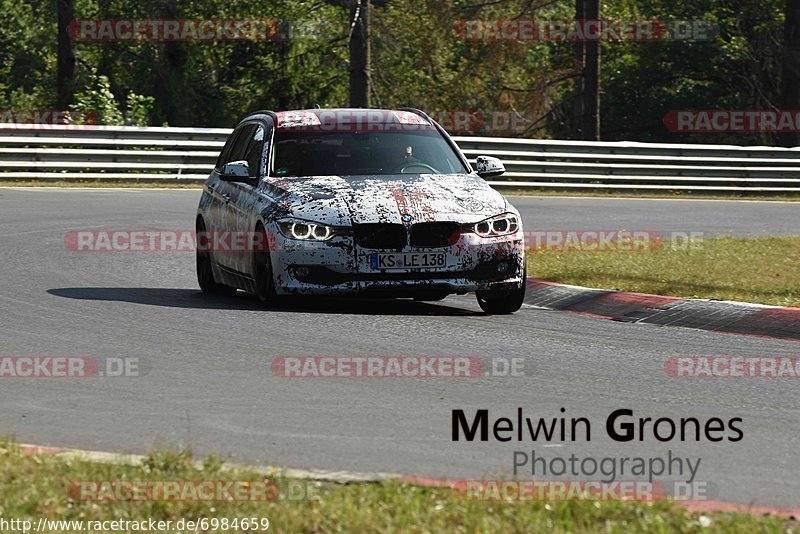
(713, 315)
(349, 477)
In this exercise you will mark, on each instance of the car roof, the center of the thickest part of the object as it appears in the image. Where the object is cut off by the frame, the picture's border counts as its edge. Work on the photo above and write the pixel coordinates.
(345, 116)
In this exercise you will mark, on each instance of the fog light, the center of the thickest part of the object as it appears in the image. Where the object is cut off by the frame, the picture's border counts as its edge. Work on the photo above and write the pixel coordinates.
(301, 272)
(503, 267)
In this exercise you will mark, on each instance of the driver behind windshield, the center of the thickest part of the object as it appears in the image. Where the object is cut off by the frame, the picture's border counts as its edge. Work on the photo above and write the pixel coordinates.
(303, 153)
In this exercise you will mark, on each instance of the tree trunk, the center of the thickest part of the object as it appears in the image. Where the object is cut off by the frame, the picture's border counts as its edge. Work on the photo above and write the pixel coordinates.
(580, 65)
(359, 55)
(171, 104)
(591, 75)
(790, 77)
(65, 61)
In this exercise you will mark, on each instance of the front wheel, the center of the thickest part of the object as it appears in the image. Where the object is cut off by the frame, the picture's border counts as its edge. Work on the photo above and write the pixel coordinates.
(502, 301)
(262, 272)
(205, 276)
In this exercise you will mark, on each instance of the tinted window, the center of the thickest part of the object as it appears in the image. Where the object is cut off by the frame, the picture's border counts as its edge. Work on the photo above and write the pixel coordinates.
(304, 153)
(237, 149)
(255, 151)
(223, 156)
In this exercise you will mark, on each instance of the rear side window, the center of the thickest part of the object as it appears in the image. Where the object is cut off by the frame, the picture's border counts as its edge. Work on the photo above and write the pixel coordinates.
(237, 143)
(224, 152)
(223, 156)
(255, 152)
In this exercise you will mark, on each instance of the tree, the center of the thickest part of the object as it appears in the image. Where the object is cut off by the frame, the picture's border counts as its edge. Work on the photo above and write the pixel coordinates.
(65, 63)
(790, 79)
(169, 72)
(359, 46)
(586, 106)
(591, 77)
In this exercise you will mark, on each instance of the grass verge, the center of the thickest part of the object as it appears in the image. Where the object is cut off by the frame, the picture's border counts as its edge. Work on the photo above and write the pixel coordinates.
(764, 270)
(44, 486)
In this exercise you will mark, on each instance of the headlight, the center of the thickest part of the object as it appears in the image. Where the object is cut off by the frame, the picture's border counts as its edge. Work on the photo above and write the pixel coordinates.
(308, 231)
(504, 224)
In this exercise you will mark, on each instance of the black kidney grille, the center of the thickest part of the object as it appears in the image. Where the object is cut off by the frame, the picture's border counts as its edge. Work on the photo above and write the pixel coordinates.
(380, 235)
(435, 234)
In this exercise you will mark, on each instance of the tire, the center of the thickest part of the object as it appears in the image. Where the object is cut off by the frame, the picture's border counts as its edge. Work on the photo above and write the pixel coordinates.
(205, 275)
(262, 272)
(502, 301)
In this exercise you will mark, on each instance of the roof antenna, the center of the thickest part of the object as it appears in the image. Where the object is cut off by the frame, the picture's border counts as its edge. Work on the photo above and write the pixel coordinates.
(316, 106)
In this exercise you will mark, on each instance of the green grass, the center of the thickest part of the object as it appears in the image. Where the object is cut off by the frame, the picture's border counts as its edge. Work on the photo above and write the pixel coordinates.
(763, 270)
(35, 486)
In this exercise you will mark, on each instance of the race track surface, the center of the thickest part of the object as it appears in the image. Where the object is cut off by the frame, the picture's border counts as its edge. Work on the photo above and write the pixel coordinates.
(207, 381)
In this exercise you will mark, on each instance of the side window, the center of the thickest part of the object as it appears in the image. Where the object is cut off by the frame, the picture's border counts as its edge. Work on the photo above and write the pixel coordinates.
(237, 148)
(223, 156)
(255, 152)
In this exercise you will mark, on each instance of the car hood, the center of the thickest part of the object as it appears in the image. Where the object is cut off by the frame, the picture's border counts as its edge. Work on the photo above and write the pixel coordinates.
(344, 200)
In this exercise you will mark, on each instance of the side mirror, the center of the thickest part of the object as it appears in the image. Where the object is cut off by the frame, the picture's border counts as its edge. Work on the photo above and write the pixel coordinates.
(235, 171)
(487, 166)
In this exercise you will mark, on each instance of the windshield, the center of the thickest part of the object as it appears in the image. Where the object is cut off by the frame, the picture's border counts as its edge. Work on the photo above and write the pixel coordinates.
(304, 153)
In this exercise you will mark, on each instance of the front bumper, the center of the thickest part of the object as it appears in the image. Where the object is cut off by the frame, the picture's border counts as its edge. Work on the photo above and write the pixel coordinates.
(338, 266)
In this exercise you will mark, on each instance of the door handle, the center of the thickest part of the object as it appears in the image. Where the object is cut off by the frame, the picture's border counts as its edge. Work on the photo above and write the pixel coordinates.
(227, 197)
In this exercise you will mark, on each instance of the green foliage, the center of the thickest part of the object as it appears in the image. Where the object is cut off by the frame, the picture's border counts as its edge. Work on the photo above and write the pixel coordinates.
(417, 60)
(98, 102)
(739, 69)
(138, 109)
(27, 54)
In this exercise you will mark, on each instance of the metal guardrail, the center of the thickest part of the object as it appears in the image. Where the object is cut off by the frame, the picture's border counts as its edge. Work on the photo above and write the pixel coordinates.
(56, 153)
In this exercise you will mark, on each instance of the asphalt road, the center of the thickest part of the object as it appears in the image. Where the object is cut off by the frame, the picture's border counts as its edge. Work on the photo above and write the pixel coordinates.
(206, 379)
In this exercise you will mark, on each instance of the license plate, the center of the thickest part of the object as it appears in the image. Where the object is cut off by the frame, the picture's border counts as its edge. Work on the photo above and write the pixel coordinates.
(408, 260)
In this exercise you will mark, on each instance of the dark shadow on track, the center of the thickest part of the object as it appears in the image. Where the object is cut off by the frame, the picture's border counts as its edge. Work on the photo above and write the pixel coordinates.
(195, 299)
